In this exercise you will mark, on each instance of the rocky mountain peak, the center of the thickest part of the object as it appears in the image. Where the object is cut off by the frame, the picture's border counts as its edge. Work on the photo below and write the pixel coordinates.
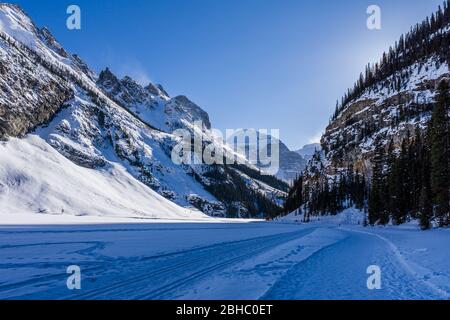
(161, 89)
(108, 80)
(48, 38)
(153, 89)
(80, 64)
(130, 84)
(13, 6)
(156, 90)
(182, 104)
(16, 22)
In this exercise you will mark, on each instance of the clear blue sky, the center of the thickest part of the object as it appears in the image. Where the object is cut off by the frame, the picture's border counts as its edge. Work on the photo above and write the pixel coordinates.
(249, 63)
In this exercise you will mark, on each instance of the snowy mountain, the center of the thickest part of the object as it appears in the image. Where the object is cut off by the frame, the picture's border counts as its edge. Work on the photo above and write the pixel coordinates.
(383, 112)
(377, 143)
(292, 164)
(289, 164)
(110, 132)
(398, 101)
(392, 98)
(309, 150)
(152, 103)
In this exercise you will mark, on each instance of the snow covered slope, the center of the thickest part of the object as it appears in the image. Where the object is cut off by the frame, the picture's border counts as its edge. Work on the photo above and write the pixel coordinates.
(52, 184)
(100, 122)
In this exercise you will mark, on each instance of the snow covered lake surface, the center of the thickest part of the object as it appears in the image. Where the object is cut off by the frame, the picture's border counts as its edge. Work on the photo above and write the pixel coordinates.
(255, 260)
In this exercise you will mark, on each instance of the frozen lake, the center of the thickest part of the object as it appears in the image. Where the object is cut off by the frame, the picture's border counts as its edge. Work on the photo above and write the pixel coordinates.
(222, 261)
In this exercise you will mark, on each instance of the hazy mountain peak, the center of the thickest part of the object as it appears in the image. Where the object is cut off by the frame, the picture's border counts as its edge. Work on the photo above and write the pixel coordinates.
(309, 150)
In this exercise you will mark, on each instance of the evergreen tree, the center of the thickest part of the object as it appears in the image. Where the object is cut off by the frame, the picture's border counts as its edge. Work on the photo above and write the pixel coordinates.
(294, 199)
(439, 139)
(399, 186)
(416, 46)
(376, 207)
(425, 208)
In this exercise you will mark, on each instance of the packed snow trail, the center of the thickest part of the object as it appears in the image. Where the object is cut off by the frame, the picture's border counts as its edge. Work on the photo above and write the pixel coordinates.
(204, 261)
(336, 273)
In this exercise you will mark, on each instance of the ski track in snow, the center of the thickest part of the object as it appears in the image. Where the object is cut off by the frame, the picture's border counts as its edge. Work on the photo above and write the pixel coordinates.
(194, 261)
(406, 266)
(338, 272)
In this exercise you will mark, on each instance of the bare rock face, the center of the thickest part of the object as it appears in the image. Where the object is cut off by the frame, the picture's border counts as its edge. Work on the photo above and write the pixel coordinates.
(350, 139)
(30, 92)
(212, 208)
(182, 105)
(291, 164)
(156, 90)
(79, 64)
(51, 42)
(29, 96)
(78, 157)
(152, 103)
(109, 82)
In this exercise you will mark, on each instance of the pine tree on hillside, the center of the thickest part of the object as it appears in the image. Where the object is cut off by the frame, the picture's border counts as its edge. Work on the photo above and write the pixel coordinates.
(419, 163)
(439, 139)
(376, 206)
(395, 187)
(294, 199)
(425, 210)
(422, 42)
(425, 206)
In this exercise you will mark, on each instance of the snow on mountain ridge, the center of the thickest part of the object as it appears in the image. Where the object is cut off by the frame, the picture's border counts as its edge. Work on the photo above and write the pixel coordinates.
(114, 124)
(151, 103)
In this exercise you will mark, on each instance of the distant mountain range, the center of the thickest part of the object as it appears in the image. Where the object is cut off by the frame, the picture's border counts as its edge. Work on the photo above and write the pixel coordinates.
(309, 150)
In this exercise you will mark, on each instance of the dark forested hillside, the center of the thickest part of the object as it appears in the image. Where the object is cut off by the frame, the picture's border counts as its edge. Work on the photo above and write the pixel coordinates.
(386, 150)
(424, 40)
